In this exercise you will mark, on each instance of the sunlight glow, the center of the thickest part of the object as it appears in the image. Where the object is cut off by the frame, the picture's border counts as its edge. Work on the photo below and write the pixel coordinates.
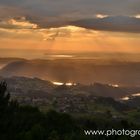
(101, 16)
(67, 84)
(137, 16)
(116, 86)
(125, 98)
(58, 83)
(136, 95)
(65, 38)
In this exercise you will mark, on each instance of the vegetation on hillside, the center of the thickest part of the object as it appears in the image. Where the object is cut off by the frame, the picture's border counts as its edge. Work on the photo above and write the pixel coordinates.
(28, 123)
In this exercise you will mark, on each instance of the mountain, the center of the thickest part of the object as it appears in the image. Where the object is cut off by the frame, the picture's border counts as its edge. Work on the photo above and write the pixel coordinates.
(5, 61)
(78, 71)
(9, 60)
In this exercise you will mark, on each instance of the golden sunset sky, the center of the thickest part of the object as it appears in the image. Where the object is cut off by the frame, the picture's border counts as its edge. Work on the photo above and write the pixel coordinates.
(105, 26)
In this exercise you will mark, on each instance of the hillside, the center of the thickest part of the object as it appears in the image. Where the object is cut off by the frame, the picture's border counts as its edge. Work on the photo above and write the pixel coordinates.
(35, 86)
(76, 98)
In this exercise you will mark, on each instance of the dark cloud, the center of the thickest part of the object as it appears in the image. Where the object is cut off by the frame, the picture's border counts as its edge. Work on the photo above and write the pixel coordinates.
(119, 23)
(110, 23)
(56, 13)
(56, 7)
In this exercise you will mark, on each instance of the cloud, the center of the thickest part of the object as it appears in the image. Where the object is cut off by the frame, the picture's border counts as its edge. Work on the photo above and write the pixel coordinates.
(68, 9)
(52, 29)
(59, 7)
(23, 29)
(98, 22)
(89, 14)
(21, 23)
(117, 23)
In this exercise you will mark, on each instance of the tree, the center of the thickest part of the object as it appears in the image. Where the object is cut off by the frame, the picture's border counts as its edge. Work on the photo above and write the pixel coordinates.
(4, 97)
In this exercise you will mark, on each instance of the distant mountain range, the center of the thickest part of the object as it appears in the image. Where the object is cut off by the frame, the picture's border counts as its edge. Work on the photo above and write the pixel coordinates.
(78, 71)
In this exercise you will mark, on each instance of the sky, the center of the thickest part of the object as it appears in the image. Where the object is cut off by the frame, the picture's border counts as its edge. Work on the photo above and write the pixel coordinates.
(70, 25)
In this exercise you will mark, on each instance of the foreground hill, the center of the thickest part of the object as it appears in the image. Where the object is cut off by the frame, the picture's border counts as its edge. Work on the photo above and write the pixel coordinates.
(25, 86)
(18, 122)
(35, 86)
